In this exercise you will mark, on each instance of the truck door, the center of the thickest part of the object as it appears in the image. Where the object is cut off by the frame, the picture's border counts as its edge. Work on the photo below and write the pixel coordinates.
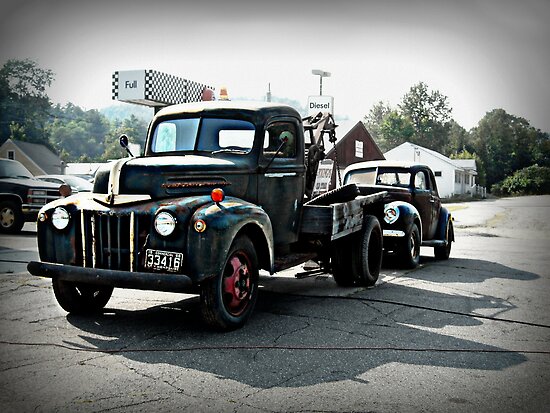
(435, 203)
(427, 204)
(281, 183)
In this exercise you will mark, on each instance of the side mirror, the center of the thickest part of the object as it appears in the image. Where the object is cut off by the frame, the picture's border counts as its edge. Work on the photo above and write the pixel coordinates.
(123, 140)
(284, 137)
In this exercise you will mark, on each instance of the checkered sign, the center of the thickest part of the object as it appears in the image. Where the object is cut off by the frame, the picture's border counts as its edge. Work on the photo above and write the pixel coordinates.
(153, 88)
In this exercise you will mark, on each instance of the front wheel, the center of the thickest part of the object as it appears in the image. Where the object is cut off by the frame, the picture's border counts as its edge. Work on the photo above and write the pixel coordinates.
(78, 298)
(409, 251)
(227, 300)
(11, 217)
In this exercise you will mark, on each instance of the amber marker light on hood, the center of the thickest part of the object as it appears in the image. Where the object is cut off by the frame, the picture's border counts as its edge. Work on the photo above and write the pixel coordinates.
(217, 195)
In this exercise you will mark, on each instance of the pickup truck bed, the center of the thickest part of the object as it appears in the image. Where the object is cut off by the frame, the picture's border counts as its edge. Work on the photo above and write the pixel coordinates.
(339, 219)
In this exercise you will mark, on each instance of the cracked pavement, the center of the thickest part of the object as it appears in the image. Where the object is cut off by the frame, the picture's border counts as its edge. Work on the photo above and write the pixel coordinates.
(468, 334)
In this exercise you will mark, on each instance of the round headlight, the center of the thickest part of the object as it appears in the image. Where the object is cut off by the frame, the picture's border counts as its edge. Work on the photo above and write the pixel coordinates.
(60, 218)
(391, 213)
(165, 223)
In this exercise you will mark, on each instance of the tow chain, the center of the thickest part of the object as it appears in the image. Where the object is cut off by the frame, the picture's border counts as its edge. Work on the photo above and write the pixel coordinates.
(332, 139)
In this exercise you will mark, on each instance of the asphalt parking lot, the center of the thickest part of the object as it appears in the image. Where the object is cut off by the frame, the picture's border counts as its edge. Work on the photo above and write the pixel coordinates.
(468, 334)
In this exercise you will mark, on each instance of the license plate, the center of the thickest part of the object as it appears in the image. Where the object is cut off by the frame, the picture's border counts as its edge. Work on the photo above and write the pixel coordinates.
(163, 260)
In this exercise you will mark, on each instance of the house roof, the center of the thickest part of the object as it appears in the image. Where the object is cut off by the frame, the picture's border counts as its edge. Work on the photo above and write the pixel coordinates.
(344, 129)
(464, 164)
(48, 161)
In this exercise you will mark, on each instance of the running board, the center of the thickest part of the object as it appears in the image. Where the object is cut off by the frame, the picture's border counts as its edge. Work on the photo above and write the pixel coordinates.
(435, 243)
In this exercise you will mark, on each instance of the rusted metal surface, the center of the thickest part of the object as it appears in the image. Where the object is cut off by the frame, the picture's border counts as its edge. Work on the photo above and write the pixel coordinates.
(121, 279)
(194, 184)
(338, 219)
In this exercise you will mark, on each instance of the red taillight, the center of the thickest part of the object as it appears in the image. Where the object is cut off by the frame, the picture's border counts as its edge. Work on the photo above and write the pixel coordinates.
(217, 195)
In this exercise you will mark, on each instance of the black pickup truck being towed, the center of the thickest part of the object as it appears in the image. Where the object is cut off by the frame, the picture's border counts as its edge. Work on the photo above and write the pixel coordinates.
(220, 193)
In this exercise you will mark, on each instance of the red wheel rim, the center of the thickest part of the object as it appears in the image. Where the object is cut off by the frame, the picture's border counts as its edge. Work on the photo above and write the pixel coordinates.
(236, 284)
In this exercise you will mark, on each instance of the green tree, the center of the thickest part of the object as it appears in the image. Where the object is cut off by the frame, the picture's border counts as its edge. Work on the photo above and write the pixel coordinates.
(78, 134)
(541, 148)
(460, 141)
(396, 129)
(136, 130)
(506, 143)
(533, 180)
(374, 119)
(429, 112)
(24, 103)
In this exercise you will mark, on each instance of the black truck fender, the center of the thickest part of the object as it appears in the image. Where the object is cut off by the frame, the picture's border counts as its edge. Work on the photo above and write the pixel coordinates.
(399, 218)
(212, 229)
(444, 219)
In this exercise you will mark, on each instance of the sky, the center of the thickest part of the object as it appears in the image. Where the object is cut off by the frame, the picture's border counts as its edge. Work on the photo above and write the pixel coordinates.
(482, 55)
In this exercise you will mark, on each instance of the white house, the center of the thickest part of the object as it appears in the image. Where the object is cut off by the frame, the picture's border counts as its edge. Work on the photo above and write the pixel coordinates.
(453, 176)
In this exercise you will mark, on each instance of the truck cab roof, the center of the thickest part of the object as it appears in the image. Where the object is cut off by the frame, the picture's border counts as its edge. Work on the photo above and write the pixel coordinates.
(229, 106)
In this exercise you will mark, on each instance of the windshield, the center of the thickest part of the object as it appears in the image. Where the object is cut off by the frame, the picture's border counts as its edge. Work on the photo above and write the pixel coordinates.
(12, 169)
(380, 176)
(207, 134)
(79, 183)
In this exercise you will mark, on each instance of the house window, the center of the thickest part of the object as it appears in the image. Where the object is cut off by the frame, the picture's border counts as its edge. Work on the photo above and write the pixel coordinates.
(359, 149)
(11, 155)
(437, 173)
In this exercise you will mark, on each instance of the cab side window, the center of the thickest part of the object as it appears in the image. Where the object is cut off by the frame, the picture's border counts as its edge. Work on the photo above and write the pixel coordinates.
(277, 134)
(420, 181)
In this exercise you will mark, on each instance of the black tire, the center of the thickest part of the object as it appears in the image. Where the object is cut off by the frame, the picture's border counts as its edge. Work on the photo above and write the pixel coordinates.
(341, 266)
(409, 250)
(357, 259)
(11, 217)
(443, 253)
(367, 254)
(342, 194)
(78, 298)
(227, 300)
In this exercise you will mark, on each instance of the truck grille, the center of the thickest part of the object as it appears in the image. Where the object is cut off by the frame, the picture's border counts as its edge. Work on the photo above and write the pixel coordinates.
(37, 198)
(112, 241)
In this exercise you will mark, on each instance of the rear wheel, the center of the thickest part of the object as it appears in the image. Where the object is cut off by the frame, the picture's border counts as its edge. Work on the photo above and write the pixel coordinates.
(357, 258)
(11, 217)
(227, 301)
(342, 271)
(443, 253)
(367, 256)
(78, 298)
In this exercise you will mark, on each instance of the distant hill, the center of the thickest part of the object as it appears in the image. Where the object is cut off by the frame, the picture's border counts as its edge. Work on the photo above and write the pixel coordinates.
(124, 111)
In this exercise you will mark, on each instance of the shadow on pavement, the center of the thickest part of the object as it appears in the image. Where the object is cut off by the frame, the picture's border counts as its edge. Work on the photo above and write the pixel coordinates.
(295, 341)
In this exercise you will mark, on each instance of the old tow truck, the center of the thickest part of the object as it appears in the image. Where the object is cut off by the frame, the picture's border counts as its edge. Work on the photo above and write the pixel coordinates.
(222, 190)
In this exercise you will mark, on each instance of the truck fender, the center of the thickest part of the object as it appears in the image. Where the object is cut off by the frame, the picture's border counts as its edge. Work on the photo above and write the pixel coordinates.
(212, 229)
(406, 216)
(444, 218)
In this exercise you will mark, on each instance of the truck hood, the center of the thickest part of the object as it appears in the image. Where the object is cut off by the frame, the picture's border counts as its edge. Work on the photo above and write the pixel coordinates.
(31, 182)
(174, 176)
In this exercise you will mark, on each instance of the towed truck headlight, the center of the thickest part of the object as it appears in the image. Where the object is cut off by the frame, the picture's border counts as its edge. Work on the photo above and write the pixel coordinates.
(60, 218)
(391, 213)
(165, 223)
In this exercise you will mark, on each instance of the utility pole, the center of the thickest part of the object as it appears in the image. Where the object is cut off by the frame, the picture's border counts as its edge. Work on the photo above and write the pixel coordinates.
(321, 74)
